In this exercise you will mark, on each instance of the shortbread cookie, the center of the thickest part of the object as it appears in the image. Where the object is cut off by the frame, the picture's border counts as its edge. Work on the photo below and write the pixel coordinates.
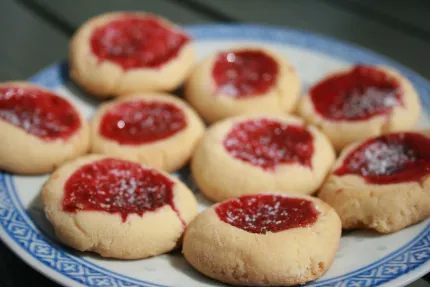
(253, 154)
(117, 208)
(158, 130)
(39, 130)
(124, 52)
(243, 80)
(264, 240)
(361, 102)
(382, 183)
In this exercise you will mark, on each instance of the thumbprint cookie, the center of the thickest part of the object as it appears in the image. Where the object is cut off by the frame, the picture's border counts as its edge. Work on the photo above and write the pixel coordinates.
(123, 52)
(382, 183)
(361, 102)
(252, 154)
(243, 80)
(155, 129)
(264, 240)
(39, 129)
(117, 208)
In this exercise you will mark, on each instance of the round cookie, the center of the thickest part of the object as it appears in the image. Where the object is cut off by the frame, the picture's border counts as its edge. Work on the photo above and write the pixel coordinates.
(382, 183)
(156, 129)
(243, 80)
(361, 102)
(251, 154)
(264, 240)
(39, 129)
(124, 52)
(117, 208)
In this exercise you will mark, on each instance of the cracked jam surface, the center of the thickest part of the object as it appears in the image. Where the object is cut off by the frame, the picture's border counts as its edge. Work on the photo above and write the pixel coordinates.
(360, 94)
(264, 213)
(389, 159)
(140, 122)
(245, 73)
(133, 41)
(38, 112)
(117, 186)
(266, 143)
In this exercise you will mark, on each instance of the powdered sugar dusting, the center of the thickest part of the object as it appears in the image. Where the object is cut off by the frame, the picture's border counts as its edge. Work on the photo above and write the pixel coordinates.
(381, 158)
(264, 213)
(360, 102)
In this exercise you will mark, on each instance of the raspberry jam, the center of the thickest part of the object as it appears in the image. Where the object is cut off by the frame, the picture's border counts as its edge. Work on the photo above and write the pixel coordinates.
(360, 94)
(267, 143)
(391, 158)
(264, 213)
(245, 73)
(38, 112)
(117, 186)
(134, 41)
(140, 122)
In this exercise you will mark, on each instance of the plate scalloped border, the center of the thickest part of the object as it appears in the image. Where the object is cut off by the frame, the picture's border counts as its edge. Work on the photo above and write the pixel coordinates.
(24, 238)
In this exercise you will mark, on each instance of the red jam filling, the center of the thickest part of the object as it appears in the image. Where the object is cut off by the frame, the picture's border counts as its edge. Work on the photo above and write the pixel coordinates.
(388, 159)
(134, 41)
(267, 143)
(38, 112)
(360, 94)
(141, 122)
(264, 213)
(243, 74)
(117, 186)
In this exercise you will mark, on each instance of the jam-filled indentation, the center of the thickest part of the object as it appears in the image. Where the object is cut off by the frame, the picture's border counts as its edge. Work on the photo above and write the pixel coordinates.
(141, 122)
(264, 213)
(134, 41)
(389, 159)
(267, 143)
(244, 73)
(38, 112)
(117, 186)
(359, 94)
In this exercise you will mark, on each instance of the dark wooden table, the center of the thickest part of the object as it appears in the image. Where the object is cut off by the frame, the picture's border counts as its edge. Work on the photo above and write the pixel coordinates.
(35, 33)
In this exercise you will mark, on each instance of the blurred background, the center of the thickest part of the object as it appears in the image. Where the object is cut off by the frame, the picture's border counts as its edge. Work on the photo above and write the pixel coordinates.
(35, 33)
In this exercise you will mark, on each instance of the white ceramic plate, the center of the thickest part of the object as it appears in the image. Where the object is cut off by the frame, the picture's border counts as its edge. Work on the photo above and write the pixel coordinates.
(364, 258)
